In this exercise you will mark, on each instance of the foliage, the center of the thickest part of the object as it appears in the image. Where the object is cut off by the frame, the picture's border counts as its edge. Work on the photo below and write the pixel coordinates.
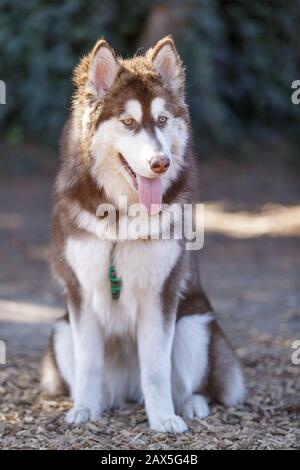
(241, 59)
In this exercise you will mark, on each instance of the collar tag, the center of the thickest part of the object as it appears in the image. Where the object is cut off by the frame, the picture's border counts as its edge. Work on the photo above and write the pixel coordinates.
(115, 282)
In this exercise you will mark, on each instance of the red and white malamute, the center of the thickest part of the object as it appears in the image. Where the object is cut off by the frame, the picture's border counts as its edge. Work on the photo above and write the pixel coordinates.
(138, 326)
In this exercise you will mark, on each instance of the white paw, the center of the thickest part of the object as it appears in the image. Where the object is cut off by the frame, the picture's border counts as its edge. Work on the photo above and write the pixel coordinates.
(172, 423)
(195, 407)
(81, 414)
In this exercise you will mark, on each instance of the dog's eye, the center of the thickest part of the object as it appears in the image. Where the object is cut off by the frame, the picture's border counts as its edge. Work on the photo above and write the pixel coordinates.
(129, 122)
(162, 120)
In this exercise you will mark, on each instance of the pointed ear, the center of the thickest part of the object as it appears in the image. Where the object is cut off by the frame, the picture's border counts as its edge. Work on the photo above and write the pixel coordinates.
(103, 68)
(168, 64)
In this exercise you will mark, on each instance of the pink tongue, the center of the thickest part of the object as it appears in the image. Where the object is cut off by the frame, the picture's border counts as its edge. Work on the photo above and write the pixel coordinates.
(150, 193)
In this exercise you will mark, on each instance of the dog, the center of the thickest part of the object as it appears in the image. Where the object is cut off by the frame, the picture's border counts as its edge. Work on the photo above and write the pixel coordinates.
(155, 338)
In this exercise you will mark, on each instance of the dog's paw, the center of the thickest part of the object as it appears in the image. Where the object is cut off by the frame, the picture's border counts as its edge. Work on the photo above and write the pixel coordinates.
(81, 415)
(173, 424)
(195, 407)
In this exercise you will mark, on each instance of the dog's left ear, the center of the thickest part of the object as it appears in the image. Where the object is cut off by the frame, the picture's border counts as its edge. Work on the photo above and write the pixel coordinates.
(168, 64)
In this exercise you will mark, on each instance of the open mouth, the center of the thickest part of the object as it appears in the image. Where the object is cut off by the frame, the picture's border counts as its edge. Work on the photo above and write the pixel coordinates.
(150, 191)
(128, 169)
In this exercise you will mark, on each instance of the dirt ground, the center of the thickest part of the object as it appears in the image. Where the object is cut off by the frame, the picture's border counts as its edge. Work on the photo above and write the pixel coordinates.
(251, 271)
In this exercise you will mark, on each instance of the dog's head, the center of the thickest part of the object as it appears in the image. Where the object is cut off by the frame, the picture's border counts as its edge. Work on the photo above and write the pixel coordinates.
(135, 119)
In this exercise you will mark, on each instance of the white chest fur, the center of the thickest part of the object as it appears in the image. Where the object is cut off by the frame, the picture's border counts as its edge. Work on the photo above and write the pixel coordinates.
(142, 265)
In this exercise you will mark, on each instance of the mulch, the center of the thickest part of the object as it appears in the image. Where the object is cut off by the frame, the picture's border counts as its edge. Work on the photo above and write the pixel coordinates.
(269, 418)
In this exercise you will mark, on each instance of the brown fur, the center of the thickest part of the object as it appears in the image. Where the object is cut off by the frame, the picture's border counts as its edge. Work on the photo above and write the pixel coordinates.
(75, 188)
(74, 184)
(51, 379)
(221, 358)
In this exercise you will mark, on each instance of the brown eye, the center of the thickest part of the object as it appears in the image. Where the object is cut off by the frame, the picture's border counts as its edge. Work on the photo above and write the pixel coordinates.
(162, 120)
(129, 122)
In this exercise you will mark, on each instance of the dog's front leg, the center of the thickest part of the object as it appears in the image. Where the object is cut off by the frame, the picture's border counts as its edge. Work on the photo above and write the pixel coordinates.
(155, 338)
(88, 361)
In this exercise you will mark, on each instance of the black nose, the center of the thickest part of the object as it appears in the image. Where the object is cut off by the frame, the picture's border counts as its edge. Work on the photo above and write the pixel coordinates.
(160, 164)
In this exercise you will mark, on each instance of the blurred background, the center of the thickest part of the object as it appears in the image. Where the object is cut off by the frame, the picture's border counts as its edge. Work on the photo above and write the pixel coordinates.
(241, 59)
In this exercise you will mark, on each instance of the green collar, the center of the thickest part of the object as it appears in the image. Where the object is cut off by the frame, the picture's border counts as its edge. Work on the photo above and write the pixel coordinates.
(115, 282)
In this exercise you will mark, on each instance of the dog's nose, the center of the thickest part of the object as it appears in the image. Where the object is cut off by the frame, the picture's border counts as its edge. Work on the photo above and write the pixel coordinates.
(159, 164)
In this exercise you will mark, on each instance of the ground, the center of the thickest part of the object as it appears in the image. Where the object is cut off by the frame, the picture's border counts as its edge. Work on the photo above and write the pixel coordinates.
(251, 271)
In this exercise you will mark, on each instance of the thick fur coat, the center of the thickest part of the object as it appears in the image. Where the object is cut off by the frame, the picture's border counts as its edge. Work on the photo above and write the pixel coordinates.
(158, 344)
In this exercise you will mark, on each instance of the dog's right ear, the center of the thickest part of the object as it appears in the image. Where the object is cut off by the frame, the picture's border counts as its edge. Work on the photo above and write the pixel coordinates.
(103, 68)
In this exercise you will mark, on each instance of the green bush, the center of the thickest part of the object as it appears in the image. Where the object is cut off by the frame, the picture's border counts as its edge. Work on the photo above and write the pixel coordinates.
(241, 58)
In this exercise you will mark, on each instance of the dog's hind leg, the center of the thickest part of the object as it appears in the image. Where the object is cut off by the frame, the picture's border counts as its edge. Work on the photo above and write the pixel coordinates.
(225, 381)
(203, 366)
(57, 371)
(190, 365)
